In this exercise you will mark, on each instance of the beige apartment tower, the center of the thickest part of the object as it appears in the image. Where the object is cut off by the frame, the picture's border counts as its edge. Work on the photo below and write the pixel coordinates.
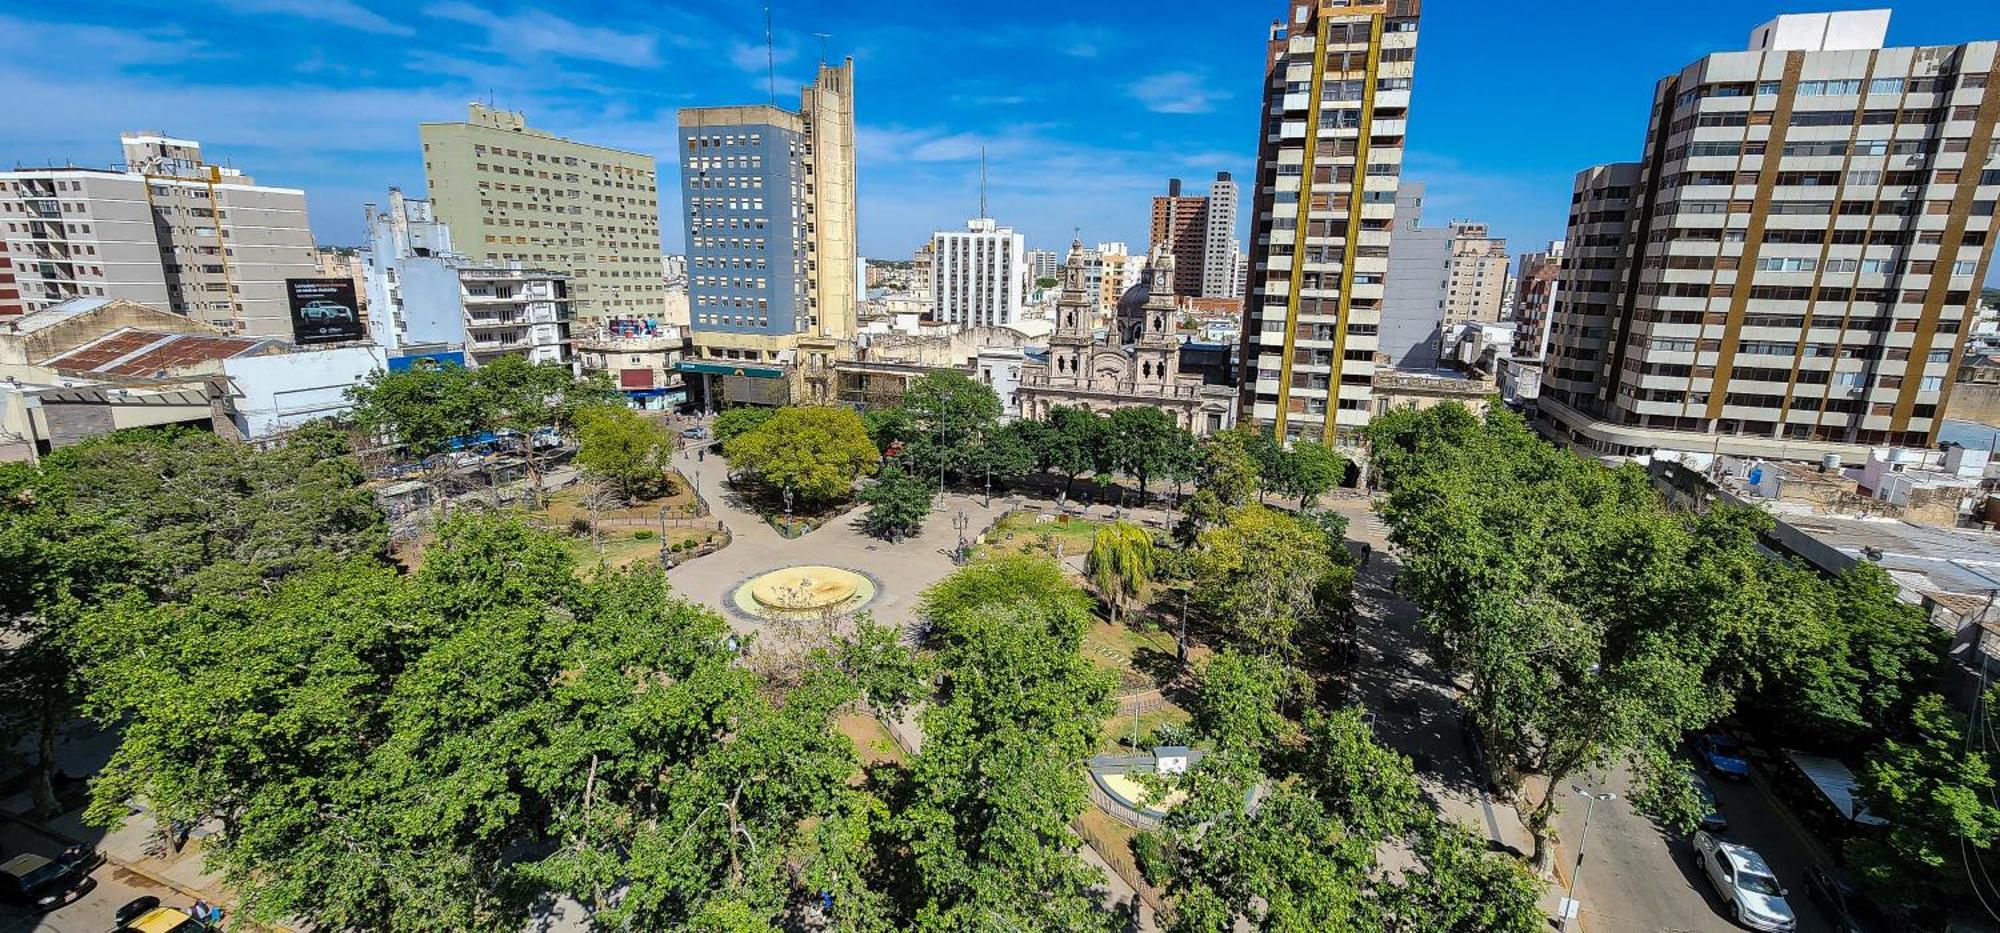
(168, 230)
(1790, 271)
(514, 194)
(1336, 102)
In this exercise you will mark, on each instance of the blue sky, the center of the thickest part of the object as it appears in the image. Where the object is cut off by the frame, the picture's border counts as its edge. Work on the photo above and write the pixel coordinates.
(1084, 110)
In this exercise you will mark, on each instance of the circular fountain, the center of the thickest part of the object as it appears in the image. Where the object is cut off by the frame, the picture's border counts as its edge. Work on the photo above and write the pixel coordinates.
(803, 591)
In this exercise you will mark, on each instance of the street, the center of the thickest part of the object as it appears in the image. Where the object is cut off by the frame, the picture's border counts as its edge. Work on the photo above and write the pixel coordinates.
(1634, 877)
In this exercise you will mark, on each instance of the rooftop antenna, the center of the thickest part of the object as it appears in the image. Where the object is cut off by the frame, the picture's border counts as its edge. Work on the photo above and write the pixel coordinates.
(770, 57)
(823, 36)
(983, 215)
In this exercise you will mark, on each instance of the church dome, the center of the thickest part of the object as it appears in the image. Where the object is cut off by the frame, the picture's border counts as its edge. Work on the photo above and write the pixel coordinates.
(1135, 298)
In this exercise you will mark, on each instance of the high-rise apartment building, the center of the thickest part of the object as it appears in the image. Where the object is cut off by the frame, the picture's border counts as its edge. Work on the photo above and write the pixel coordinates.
(770, 205)
(1180, 226)
(168, 229)
(1476, 289)
(1534, 298)
(1336, 102)
(1791, 269)
(979, 274)
(514, 194)
(1219, 254)
(1410, 327)
(427, 296)
(1044, 264)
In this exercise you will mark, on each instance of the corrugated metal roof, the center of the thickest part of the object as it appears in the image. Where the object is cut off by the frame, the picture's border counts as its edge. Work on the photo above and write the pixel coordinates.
(56, 314)
(144, 353)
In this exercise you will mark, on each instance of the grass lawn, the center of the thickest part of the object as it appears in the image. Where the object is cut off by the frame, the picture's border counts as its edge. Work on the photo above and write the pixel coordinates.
(624, 547)
(871, 737)
(1117, 732)
(1025, 533)
(567, 503)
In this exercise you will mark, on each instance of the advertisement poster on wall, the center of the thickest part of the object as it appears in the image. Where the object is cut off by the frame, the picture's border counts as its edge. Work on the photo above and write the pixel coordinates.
(324, 311)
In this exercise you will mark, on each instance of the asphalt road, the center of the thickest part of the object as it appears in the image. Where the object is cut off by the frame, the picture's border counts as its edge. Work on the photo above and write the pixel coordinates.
(114, 887)
(1638, 877)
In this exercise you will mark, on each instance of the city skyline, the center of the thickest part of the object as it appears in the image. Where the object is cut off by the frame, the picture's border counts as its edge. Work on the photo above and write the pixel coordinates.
(1083, 117)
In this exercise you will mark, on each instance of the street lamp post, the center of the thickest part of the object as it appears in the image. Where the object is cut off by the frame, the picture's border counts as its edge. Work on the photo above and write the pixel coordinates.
(1569, 899)
(989, 486)
(944, 399)
(788, 510)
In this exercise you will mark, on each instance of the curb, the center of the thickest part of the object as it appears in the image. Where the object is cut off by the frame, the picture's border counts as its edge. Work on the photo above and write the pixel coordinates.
(162, 881)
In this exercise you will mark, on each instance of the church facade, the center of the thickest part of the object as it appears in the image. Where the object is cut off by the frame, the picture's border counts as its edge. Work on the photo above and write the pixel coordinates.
(1136, 365)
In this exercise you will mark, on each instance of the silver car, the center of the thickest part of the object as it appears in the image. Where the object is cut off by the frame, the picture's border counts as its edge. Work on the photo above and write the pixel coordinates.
(1756, 899)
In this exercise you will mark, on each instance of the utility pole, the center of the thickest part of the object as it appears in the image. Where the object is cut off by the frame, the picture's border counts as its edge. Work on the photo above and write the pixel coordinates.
(1569, 905)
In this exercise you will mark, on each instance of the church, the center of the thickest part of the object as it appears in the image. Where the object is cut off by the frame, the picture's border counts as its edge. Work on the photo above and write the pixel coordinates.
(1137, 363)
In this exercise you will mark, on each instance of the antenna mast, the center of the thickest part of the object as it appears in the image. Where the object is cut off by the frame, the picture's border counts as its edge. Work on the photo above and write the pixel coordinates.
(770, 57)
(823, 36)
(983, 215)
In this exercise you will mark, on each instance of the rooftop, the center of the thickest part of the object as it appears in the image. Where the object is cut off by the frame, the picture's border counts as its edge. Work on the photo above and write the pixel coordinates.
(138, 353)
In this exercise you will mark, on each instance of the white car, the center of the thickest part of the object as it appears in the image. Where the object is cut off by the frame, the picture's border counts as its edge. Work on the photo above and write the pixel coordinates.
(1756, 899)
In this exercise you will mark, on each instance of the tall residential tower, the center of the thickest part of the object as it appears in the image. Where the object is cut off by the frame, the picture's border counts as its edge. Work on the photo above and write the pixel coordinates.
(1336, 101)
(770, 206)
(979, 274)
(514, 194)
(1791, 269)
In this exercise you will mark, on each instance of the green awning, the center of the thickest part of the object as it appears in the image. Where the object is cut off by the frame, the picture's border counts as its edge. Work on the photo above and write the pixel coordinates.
(730, 369)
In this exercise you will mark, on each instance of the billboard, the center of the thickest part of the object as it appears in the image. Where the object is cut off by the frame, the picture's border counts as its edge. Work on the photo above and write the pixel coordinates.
(324, 311)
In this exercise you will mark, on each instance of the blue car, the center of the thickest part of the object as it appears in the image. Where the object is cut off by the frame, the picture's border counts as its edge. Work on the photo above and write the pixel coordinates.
(1722, 756)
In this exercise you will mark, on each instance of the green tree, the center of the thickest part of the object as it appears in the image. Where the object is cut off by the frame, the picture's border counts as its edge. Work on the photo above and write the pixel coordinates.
(897, 504)
(817, 452)
(1147, 443)
(1940, 796)
(1263, 578)
(736, 422)
(1228, 466)
(380, 749)
(1121, 566)
(989, 801)
(523, 398)
(623, 447)
(949, 413)
(1310, 470)
(1070, 446)
(154, 515)
(422, 410)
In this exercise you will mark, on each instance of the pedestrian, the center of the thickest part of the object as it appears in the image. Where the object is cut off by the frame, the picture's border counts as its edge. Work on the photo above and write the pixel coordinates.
(199, 911)
(700, 454)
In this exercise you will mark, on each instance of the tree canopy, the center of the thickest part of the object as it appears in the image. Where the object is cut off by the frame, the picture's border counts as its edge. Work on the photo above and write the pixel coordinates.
(623, 447)
(817, 452)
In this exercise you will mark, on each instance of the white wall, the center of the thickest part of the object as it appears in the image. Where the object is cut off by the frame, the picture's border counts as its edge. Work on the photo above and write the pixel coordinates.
(272, 394)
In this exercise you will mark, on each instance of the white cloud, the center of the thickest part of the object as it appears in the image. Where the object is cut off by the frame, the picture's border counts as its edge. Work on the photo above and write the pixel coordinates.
(337, 12)
(539, 32)
(1176, 92)
(24, 41)
(1081, 50)
(757, 59)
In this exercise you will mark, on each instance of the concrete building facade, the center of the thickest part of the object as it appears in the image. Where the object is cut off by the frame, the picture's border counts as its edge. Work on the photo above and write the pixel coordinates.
(1330, 152)
(979, 274)
(514, 194)
(427, 294)
(168, 229)
(1180, 226)
(1221, 250)
(1411, 334)
(1805, 242)
(769, 200)
(1535, 290)
(1477, 287)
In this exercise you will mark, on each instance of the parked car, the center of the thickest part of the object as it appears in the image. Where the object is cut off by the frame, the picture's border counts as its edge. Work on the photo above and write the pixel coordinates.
(323, 310)
(1722, 756)
(39, 882)
(1756, 900)
(1712, 819)
(1846, 909)
(163, 920)
(694, 433)
(134, 909)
